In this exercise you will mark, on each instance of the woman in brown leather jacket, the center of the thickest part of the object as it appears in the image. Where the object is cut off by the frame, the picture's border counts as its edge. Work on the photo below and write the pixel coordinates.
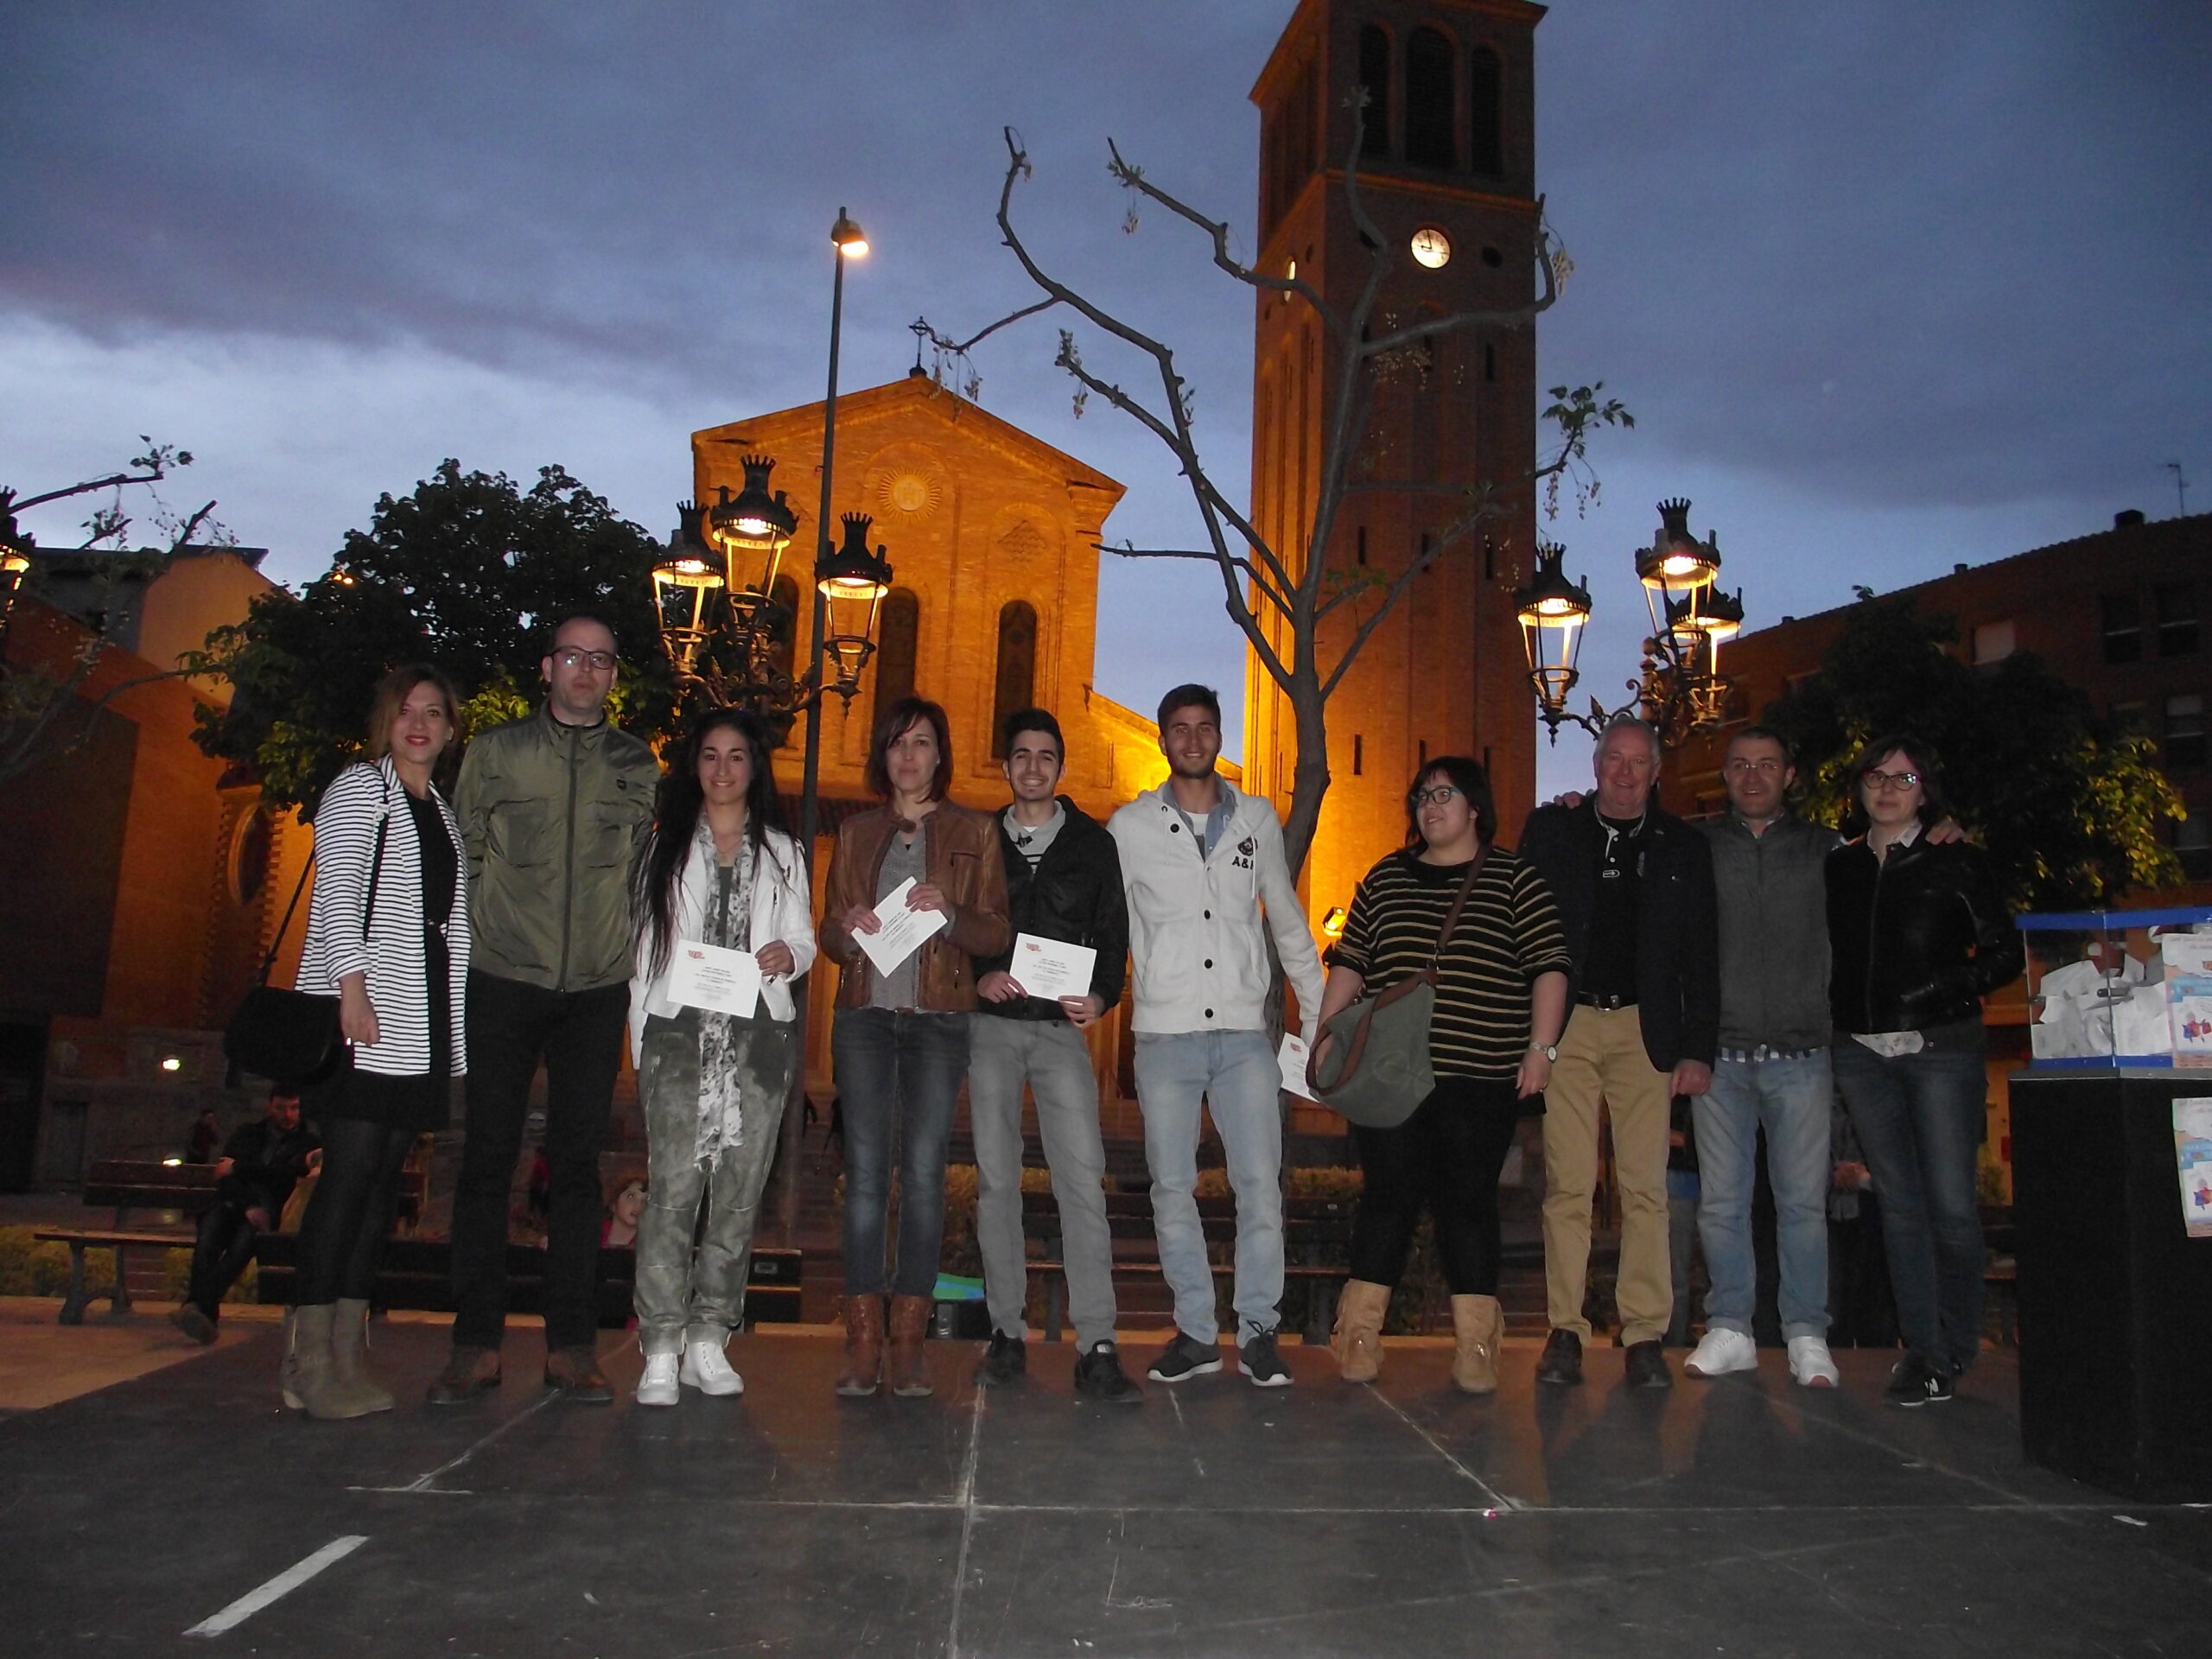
(899, 1044)
(1917, 936)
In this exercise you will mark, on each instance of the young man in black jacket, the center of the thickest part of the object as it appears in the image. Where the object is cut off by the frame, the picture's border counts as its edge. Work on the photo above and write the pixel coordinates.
(261, 1163)
(1634, 886)
(1064, 883)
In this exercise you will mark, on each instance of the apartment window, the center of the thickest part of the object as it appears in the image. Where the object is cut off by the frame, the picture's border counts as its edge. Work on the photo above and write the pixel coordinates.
(2193, 846)
(2123, 623)
(2134, 719)
(1429, 99)
(2177, 602)
(2185, 730)
(1017, 676)
(1994, 641)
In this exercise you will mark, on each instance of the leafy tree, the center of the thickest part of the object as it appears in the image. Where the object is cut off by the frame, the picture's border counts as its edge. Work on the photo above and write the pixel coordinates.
(2068, 804)
(464, 572)
(38, 702)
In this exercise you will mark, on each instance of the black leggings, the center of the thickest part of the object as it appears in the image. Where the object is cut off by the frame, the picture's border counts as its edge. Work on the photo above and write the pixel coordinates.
(1447, 1156)
(349, 1217)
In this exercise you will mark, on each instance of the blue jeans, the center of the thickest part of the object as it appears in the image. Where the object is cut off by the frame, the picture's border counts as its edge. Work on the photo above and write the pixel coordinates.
(1235, 1073)
(1791, 1099)
(898, 1074)
(1921, 1119)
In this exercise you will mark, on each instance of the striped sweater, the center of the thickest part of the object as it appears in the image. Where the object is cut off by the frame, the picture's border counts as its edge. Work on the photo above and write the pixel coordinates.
(1509, 934)
(391, 955)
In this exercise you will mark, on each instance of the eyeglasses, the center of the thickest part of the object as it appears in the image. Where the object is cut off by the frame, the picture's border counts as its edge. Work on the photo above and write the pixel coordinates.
(570, 657)
(1764, 768)
(1889, 780)
(1437, 797)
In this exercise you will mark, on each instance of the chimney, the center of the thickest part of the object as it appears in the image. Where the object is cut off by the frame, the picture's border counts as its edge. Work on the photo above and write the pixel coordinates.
(1959, 569)
(2127, 518)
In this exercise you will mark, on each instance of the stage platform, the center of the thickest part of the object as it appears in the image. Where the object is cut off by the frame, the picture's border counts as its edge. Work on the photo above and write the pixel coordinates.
(1739, 1516)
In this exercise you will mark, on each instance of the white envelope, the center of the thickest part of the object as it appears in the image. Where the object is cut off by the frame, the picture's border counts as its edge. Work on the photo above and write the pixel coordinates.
(708, 977)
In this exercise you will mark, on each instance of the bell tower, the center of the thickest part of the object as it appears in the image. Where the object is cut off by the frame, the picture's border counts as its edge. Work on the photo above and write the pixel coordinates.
(1446, 172)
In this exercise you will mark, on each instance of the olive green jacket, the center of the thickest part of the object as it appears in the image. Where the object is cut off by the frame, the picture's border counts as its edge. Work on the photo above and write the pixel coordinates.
(553, 816)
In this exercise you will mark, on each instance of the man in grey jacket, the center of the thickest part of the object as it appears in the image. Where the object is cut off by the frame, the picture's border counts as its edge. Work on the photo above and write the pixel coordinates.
(1201, 864)
(553, 808)
(1773, 1070)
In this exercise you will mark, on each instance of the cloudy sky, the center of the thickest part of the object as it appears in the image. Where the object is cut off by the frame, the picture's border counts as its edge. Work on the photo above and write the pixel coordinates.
(1889, 285)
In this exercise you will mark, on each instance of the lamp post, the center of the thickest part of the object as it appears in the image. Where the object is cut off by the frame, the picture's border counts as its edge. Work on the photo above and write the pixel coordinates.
(15, 565)
(1679, 688)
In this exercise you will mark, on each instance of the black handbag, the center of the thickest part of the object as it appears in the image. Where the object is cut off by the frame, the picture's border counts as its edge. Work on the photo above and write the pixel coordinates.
(292, 1038)
(1376, 1071)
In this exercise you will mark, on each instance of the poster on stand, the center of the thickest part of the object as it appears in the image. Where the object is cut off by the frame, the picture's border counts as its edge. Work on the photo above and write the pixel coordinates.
(2193, 1153)
(2187, 958)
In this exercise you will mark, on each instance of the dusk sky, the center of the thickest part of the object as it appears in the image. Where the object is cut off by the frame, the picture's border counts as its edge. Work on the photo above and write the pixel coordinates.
(1889, 286)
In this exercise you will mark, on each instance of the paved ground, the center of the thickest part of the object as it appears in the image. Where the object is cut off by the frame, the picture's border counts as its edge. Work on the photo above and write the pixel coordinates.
(1738, 1516)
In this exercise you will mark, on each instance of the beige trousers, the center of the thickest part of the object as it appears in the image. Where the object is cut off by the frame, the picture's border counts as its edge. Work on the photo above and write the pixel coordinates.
(1601, 1059)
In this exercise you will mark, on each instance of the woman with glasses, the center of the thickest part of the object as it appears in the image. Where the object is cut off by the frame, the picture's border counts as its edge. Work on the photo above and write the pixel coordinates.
(1501, 1003)
(1917, 936)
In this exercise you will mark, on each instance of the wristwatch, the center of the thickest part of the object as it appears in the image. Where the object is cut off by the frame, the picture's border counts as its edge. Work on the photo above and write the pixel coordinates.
(1549, 1050)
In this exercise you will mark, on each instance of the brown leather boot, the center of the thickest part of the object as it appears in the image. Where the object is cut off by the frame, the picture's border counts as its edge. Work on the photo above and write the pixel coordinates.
(1477, 1322)
(863, 1346)
(470, 1373)
(910, 1326)
(1357, 1340)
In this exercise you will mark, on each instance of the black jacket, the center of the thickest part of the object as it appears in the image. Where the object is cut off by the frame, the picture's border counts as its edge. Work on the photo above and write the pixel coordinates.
(1677, 938)
(1075, 897)
(266, 1163)
(1915, 941)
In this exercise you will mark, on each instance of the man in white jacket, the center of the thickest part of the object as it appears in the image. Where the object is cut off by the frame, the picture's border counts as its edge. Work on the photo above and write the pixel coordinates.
(1200, 864)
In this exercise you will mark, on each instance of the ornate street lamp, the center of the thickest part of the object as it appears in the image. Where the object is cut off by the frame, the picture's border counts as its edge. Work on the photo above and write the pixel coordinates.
(685, 580)
(1679, 688)
(14, 561)
(852, 583)
(752, 529)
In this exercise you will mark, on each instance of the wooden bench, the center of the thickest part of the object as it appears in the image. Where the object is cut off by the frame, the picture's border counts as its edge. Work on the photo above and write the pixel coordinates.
(417, 1274)
(1316, 1248)
(130, 1184)
(122, 1242)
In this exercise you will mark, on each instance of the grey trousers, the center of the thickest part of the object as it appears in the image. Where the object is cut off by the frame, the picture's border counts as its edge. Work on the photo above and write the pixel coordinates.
(682, 1296)
(1050, 1056)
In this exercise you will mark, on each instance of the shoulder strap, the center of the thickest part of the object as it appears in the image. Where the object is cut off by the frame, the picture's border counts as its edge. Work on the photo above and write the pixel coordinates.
(269, 960)
(376, 868)
(1459, 904)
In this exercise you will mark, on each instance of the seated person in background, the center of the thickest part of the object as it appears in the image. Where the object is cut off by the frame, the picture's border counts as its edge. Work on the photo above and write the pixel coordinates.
(205, 1137)
(619, 1230)
(253, 1178)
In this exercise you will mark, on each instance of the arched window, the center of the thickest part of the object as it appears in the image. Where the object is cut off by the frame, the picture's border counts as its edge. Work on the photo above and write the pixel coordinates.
(899, 633)
(798, 624)
(1429, 112)
(1486, 94)
(1017, 680)
(1374, 76)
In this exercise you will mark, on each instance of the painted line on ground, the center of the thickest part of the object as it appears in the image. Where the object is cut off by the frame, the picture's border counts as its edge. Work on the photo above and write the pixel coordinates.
(422, 1483)
(966, 1501)
(283, 1585)
(1496, 1497)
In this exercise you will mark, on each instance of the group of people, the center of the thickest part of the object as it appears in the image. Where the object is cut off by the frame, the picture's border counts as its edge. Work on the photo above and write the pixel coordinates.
(1621, 956)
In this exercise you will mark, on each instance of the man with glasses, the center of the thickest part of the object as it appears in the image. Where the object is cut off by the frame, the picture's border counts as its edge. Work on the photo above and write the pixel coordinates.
(554, 809)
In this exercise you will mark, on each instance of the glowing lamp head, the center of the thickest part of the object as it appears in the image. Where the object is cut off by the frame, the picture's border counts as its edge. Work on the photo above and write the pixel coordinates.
(850, 240)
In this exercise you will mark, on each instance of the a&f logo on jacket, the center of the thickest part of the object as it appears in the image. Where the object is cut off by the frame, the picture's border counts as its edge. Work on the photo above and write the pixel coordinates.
(1245, 849)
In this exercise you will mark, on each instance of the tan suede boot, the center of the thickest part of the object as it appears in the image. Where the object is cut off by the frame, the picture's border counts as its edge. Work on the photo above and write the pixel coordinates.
(1477, 1322)
(349, 1360)
(1356, 1340)
(863, 1346)
(307, 1367)
(910, 1325)
(288, 1368)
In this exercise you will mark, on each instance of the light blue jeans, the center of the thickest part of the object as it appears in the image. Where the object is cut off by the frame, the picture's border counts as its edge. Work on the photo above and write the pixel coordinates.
(1235, 1074)
(1792, 1101)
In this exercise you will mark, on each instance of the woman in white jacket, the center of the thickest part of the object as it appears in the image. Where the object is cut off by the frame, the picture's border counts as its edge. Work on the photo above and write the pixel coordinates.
(388, 937)
(719, 870)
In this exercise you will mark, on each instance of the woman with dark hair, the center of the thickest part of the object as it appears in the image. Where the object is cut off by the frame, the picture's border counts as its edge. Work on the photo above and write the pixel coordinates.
(719, 870)
(901, 1040)
(1501, 1003)
(1917, 936)
(388, 937)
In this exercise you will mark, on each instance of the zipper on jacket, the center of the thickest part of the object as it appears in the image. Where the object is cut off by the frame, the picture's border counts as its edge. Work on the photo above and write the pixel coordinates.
(569, 859)
(1873, 916)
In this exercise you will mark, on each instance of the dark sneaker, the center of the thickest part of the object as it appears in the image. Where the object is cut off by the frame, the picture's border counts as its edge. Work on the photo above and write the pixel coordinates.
(1647, 1366)
(1264, 1363)
(470, 1372)
(1099, 1376)
(1004, 1360)
(1186, 1357)
(1562, 1364)
(1914, 1382)
(194, 1324)
(575, 1373)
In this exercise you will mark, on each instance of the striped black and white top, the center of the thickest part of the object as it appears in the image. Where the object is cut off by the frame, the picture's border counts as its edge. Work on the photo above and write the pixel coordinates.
(1509, 934)
(391, 955)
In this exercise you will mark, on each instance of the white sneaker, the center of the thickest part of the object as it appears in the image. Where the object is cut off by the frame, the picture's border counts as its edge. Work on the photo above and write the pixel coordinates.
(657, 1386)
(707, 1369)
(1721, 1351)
(1811, 1363)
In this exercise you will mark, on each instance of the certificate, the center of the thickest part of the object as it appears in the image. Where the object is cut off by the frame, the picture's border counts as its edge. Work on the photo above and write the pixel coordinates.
(1291, 1057)
(902, 930)
(708, 977)
(1048, 969)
